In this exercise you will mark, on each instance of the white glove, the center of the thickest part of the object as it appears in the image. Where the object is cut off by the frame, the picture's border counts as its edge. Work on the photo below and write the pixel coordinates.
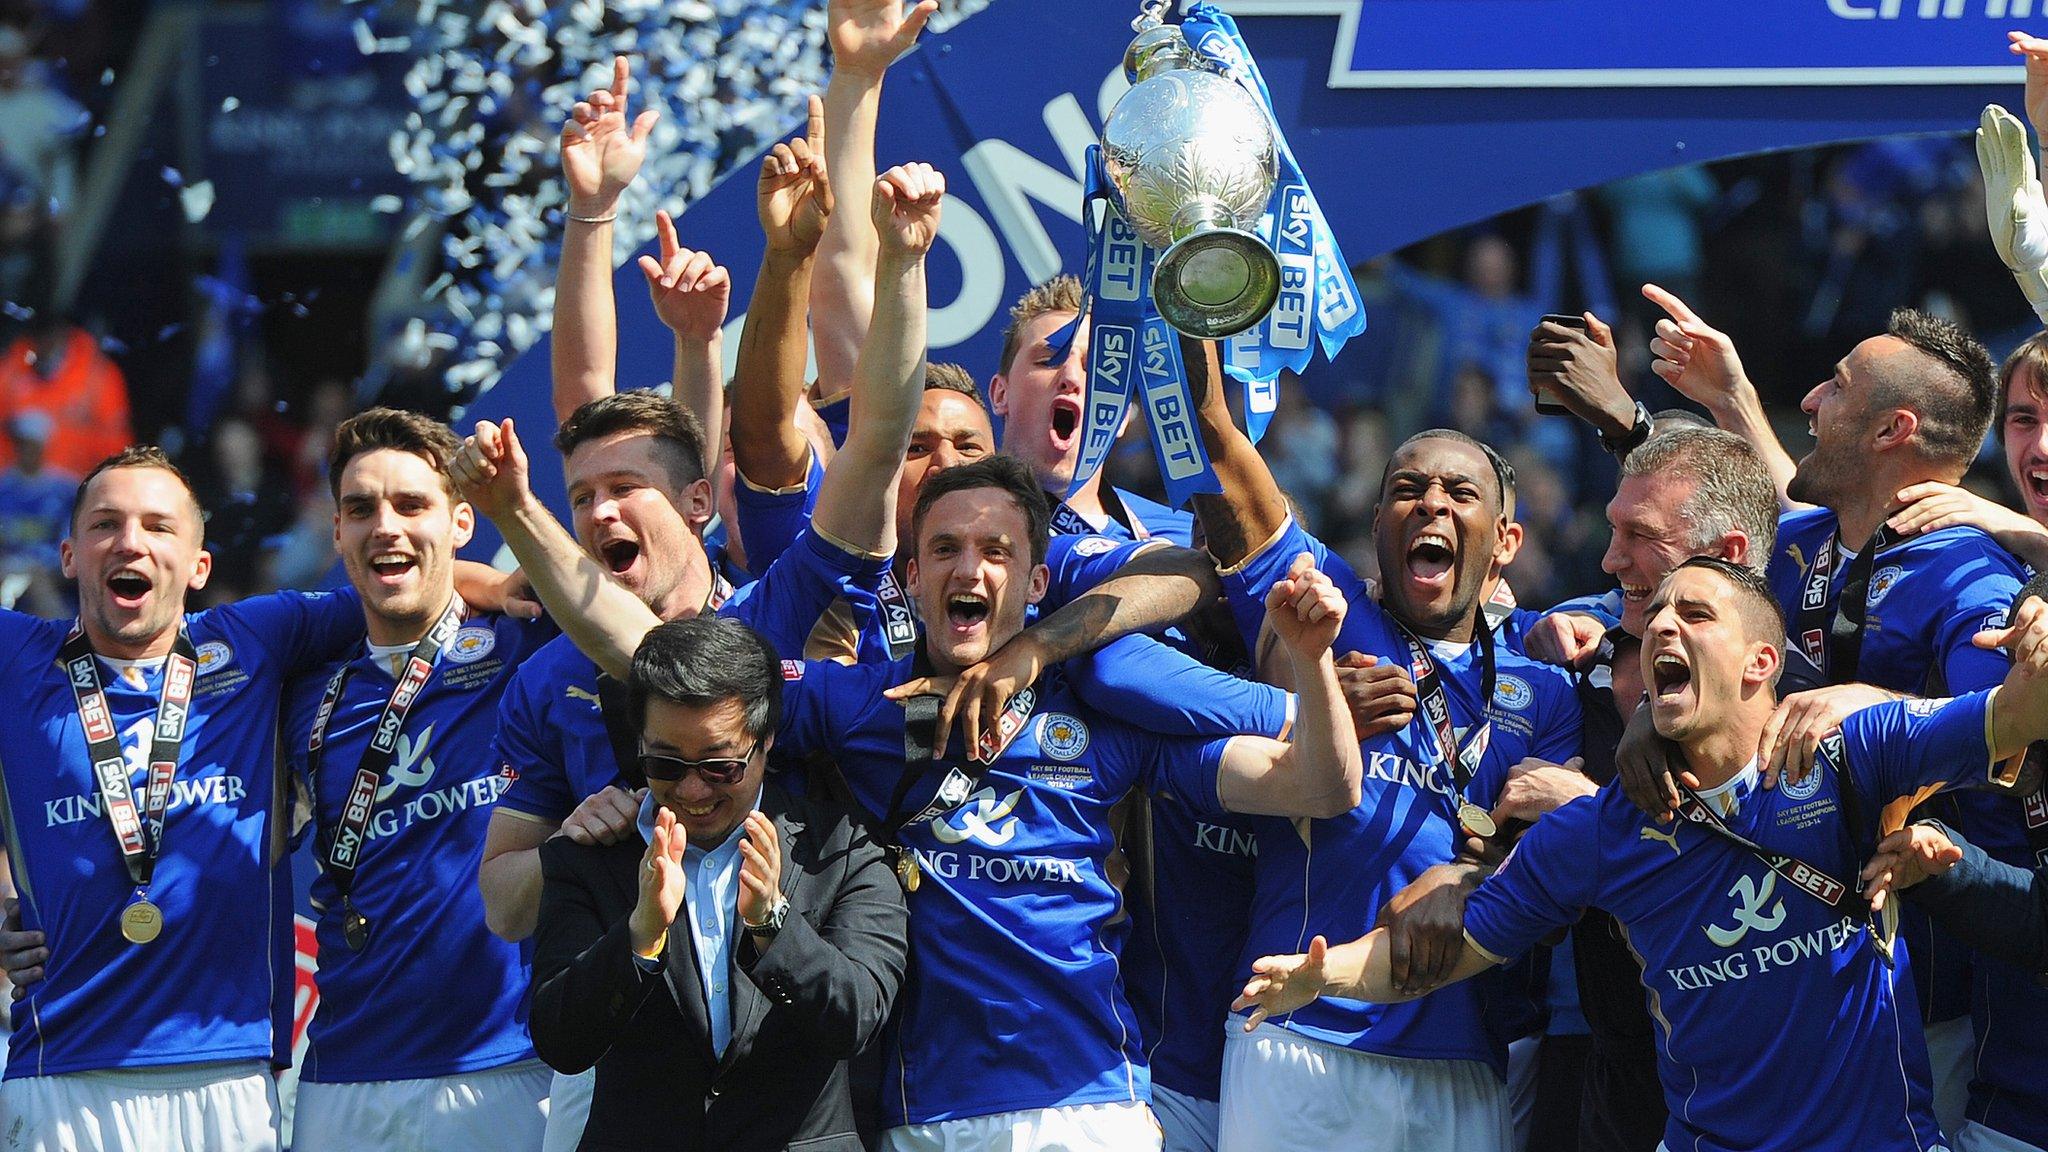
(2013, 203)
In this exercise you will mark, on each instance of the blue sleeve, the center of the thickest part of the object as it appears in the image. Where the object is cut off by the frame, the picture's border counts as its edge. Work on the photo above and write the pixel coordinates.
(807, 724)
(540, 786)
(836, 413)
(1185, 769)
(1161, 689)
(770, 520)
(1975, 594)
(1601, 608)
(789, 596)
(1989, 905)
(1077, 563)
(1246, 585)
(303, 629)
(1557, 731)
(1550, 878)
(1893, 750)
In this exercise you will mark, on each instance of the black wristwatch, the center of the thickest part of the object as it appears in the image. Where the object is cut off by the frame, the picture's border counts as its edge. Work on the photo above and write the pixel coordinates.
(1620, 446)
(777, 916)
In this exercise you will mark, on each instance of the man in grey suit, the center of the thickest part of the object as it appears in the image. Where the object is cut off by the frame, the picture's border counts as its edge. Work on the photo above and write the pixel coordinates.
(720, 968)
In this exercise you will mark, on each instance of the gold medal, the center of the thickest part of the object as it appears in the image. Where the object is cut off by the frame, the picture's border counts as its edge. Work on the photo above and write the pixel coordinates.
(907, 870)
(1475, 821)
(141, 922)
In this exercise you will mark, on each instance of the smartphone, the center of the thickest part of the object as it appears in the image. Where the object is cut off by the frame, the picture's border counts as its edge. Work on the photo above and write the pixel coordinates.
(1551, 407)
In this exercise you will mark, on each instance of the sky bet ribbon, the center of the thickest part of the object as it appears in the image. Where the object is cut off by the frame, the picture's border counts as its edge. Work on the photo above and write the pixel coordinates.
(1317, 293)
(1132, 352)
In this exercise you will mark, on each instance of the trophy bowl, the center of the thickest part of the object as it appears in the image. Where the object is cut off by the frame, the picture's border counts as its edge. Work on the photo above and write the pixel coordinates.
(1190, 158)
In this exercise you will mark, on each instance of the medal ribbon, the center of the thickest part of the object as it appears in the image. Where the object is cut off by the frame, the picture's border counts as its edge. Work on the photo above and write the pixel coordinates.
(140, 836)
(1813, 881)
(345, 842)
(1831, 628)
(1317, 293)
(1461, 762)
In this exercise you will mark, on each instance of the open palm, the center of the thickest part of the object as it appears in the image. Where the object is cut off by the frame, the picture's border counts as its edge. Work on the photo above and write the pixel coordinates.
(600, 154)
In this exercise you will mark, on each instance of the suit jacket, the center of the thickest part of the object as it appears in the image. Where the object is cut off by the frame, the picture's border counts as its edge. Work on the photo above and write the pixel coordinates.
(801, 1008)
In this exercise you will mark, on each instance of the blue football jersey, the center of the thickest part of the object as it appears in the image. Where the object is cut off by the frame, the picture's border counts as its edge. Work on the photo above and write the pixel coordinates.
(551, 730)
(1015, 1001)
(1330, 877)
(391, 1011)
(202, 990)
(1149, 520)
(1190, 898)
(1780, 1026)
(770, 520)
(1927, 596)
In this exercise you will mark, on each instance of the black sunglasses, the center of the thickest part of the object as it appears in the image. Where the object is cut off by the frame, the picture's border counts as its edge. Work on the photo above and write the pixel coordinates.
(716, 770)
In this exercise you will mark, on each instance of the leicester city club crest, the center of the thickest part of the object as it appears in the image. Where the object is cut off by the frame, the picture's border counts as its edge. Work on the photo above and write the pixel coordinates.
(472, 644)
(1063, 737)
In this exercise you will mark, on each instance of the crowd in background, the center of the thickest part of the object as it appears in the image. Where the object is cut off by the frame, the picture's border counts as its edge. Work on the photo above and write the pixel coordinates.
(1792, 253)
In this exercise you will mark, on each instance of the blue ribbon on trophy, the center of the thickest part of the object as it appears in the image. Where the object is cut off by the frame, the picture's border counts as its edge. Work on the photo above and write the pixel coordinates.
(1317, 294)
(1132, 354)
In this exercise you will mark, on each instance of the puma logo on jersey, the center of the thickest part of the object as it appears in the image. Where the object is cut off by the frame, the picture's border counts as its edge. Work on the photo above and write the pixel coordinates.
(1670, 837)
(411, 767)
(984, 819)
(1749, 911)
(575, 693)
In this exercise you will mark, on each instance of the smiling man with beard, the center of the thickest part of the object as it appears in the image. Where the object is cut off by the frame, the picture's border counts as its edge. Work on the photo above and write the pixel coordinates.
(1429, 1074)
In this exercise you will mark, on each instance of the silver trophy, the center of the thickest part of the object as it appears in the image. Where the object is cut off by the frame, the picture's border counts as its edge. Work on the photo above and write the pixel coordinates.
(1190, 157)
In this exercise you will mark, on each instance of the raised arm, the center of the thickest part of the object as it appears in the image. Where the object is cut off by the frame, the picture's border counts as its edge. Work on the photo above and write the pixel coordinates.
(600, 158)
(866, 37)
(600, 616)
(1320, 773)
(857, 502)
(1700, 362)
(691, 293)
(1252, 509)
(794, 200)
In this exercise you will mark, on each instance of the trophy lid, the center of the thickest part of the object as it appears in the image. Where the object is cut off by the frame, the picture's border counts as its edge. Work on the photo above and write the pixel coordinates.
(1160, 48)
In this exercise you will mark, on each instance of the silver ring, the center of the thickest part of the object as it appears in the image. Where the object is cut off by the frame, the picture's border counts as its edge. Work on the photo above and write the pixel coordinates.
(654, 865)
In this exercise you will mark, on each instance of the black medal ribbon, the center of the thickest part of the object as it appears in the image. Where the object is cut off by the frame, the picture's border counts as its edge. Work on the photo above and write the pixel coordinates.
(1831, 627)
(1461, 758)
(140, 835)
(922, 743)
(346, 840)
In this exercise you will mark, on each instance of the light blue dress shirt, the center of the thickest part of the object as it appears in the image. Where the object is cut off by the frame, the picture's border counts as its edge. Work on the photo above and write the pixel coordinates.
(711, 880)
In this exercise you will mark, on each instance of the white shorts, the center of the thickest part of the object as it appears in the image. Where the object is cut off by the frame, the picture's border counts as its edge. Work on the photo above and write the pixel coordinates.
(1522, 1061)
(495, 1110)
(1283, 1092)
(1187, 1123)
(226, 1106)
(1952, 1055)
(1074, 1128)
(1974, 1137)
(568, 1110)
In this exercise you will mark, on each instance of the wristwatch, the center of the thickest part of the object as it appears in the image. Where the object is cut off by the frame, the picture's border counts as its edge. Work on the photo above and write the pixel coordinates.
(1629, 441)
(777, 915)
